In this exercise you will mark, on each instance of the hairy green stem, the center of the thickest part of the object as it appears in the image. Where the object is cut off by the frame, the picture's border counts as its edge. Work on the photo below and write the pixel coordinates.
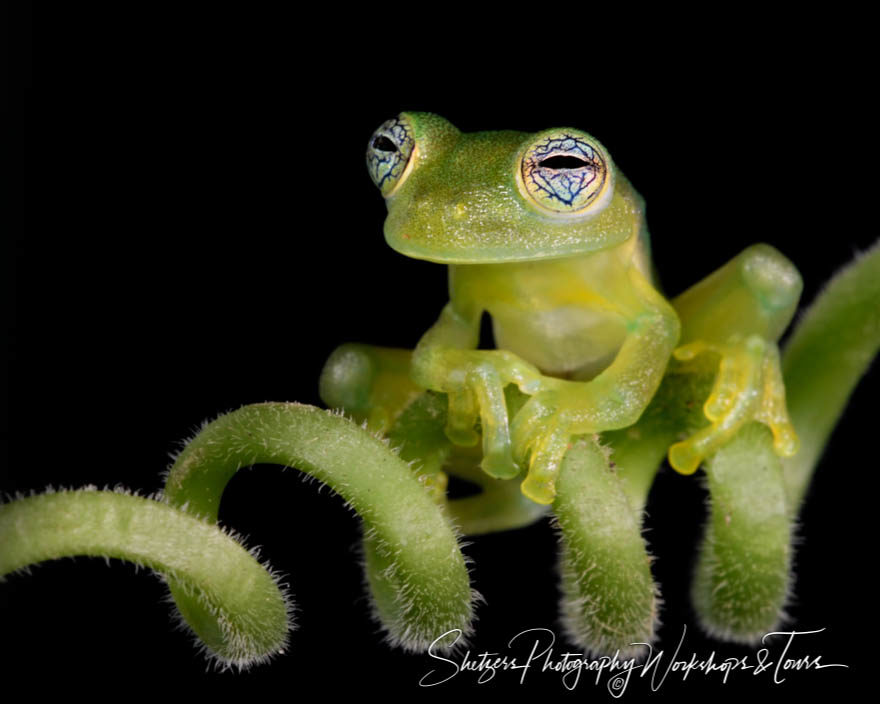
(414, 565)
(743, 572)
(609, 600)
(829, 351)
(210, 567)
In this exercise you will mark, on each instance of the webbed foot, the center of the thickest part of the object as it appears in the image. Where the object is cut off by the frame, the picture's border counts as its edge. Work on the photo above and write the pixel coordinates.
(748, 387)
(543, 429)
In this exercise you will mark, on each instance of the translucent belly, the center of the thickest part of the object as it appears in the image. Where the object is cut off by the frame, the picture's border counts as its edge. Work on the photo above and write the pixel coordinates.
(570, 342)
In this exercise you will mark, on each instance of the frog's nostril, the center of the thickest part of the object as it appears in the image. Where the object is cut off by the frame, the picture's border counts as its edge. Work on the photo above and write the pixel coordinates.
(383, 144)
(561, 161)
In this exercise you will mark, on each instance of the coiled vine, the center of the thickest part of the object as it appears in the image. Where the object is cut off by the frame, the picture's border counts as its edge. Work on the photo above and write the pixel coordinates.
(415, 570)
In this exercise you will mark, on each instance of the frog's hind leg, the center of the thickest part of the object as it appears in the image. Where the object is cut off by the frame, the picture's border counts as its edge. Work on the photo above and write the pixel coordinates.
(372, 384)
(737, 314)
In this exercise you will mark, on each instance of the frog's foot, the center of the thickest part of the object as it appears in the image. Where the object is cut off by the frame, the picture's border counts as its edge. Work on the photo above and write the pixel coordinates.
(542, 433)
(748, 387)
(480, 396)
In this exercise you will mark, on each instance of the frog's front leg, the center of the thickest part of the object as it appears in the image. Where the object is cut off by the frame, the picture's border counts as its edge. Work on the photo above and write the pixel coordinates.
(733, 319)
(615, 398)
(446, 359)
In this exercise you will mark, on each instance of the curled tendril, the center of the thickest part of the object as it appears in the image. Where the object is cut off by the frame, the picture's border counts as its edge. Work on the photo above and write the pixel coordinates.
(418, 574)
(251, 611)
(413, 563)
(232, 604)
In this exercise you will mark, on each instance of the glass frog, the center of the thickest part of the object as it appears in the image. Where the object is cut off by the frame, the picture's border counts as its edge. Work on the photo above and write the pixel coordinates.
(597, 377)
(544, 233)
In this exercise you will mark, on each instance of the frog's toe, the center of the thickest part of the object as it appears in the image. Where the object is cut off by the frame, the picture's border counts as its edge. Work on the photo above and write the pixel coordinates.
(685, 456)
(785, 440)
(545, 463)
(531, 423)
(541, 492)
(773, 411)
(499, 464)
(480, 397)
(462, 417)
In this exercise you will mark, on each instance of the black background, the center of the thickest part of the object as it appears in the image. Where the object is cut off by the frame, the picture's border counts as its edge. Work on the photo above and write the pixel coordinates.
(200, 233)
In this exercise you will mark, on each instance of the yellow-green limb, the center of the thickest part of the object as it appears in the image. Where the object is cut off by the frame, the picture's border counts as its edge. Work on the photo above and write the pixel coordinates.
(829, 351)
(419, 580)
(252, 613)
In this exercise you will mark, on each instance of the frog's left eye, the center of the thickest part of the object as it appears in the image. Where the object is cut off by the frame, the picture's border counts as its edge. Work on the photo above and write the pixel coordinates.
(389, 154)
(565, 173)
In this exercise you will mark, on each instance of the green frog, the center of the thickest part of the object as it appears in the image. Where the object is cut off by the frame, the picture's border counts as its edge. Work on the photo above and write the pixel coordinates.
(546, 235)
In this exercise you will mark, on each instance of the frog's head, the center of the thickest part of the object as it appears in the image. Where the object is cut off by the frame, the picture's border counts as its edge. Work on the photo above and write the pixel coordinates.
(467, 198)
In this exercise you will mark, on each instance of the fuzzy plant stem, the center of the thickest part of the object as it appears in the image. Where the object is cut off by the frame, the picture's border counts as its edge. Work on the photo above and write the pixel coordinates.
(414, 565)
(214, 571)
(743, 571)
(830, 350)
(609, 600)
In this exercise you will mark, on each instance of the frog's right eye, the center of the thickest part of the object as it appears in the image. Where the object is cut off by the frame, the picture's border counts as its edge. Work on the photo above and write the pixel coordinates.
(389, 154)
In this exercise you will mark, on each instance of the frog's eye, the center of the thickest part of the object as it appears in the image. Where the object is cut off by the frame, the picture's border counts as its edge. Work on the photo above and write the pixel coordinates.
(565, 173)
(389, 152)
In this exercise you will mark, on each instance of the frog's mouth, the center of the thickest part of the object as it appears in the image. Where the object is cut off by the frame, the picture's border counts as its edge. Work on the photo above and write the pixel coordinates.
(518, 235)
(491, 255)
